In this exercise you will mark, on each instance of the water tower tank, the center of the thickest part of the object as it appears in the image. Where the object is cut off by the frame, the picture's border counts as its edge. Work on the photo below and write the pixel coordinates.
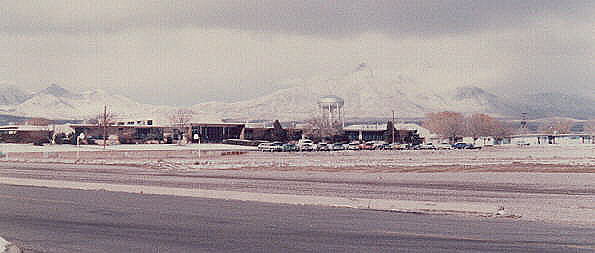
(331, 109)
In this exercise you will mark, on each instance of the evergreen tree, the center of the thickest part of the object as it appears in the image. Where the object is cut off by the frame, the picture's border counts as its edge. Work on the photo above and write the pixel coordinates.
(279, 134)
(388, 134)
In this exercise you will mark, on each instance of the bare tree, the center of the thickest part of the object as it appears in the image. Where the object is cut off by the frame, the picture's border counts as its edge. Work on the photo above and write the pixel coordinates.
(557, 126)
(478, 125)
(502, 130)
(104, 120)
(181, 120)
(483, 125)
(446, 124)
(320, 128)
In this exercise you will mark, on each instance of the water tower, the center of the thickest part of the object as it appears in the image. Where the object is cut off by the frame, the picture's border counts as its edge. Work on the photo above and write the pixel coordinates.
(331, 110)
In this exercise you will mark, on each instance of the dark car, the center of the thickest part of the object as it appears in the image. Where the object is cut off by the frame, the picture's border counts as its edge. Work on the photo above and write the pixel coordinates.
(462, 145)
(384, 146)
(290, 147)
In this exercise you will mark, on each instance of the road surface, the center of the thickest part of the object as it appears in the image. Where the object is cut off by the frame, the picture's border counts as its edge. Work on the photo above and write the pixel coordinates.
(59, 220)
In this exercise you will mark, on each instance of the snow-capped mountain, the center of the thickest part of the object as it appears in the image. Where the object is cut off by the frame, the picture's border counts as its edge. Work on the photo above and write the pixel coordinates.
(56, 102)
(367, 93)
(12, 95)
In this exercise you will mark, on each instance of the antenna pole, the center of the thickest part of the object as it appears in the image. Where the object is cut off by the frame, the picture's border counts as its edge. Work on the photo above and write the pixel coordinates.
(393, 126)
(104, 126)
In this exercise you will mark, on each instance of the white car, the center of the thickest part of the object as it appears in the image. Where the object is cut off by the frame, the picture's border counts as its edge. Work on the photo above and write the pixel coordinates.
(305, 145)
(354, 145)
(426, 146)
(323, 146)
(444, 146)
(271, 147)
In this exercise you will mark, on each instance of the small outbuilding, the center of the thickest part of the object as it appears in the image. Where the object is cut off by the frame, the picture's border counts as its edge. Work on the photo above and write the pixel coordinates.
(25, 134)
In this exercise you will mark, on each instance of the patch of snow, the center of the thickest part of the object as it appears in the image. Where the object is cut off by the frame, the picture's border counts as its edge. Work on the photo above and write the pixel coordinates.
(3, 245)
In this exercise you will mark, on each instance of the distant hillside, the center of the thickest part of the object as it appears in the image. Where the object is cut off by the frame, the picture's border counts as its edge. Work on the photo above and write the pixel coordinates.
(367, 93)
(553, 104)
(9, 119)
(56, 102)
(12, 95)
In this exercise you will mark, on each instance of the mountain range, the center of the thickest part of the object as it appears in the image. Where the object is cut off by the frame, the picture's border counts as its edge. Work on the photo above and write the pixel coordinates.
(56, 102)
(367, 93)
(375, 94)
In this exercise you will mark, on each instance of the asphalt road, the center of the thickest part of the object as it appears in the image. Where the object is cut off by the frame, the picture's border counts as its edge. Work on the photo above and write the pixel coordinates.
(59, 220)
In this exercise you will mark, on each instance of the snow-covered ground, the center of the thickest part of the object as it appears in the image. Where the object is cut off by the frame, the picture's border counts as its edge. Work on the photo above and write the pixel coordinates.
(504, 158)
(548, 183)
(7, 247)
(579, 158)
(3, 244)
(9, 148)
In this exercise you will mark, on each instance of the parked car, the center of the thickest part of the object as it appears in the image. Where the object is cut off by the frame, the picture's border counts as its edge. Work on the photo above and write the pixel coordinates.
(462, 145)
(337, 146)
(443, 146)
(398, 146)
(305, 145)
(471, 146)
(370, 145)
(384, 146)
(412, 146)
(288, 147)
(524, 144)
(264, 146)
(271, 147)
(354, 145)
(426, 146)
(323, 146)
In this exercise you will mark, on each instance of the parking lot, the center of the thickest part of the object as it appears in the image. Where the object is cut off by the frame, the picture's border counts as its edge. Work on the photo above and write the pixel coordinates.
(514, 158)
(308, 145)
(495, 158)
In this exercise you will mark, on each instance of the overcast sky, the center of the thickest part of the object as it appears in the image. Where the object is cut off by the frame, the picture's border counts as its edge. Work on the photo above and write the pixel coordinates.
(186, 52)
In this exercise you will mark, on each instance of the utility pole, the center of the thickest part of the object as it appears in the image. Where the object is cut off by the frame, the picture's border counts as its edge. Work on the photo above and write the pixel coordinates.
(104, 126)
(393, 126)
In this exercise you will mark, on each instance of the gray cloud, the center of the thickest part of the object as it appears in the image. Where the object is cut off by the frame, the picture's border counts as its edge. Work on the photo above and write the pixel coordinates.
(185, 52)
(310, 17)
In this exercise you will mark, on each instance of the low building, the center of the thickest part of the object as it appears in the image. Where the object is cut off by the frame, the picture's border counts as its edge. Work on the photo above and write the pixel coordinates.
(381, 133)
(119, 134)
(481, 141)
(25, 134)
(547, 139)
(270, 134)
(216, 132)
